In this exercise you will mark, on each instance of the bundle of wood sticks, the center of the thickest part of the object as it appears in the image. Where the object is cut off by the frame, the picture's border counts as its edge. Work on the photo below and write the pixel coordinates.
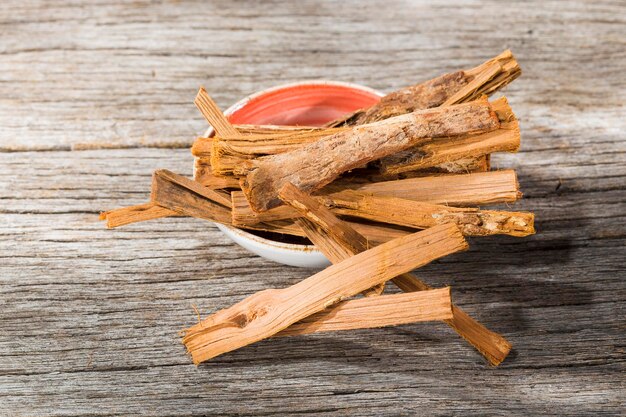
(380, 192)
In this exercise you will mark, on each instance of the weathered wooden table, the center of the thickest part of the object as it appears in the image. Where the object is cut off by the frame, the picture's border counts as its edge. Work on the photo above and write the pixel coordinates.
(94, 97)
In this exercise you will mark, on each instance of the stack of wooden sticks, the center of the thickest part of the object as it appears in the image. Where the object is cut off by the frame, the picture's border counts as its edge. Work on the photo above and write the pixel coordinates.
(380, 192)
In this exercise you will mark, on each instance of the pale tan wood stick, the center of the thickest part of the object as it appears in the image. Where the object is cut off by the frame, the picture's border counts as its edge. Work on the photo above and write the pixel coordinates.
(372, 312)
(440, 152)
(317, 164)
(268, 312)
(337, 240)
(454, 190)
(479, 189)
(415, 214)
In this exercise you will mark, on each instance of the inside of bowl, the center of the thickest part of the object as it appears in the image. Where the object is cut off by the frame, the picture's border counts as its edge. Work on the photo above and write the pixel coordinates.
(303, 104)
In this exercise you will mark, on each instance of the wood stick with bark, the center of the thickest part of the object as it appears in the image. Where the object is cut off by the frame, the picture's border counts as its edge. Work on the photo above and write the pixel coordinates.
(317, 164)
(453, 190)
(447, 89)
(419, 215)
(266, 313)
(174, 195)
(373, 312)
(338, 241)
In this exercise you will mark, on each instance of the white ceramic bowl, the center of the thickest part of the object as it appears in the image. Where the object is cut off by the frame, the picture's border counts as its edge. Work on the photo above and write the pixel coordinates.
(303, 99)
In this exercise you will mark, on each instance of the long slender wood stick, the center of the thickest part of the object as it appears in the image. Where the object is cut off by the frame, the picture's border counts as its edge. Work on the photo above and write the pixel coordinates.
(268, 312)
(133, 214)
(455, 190)
(175, 195)
(317, 164)
(337, 240)
(372, 312)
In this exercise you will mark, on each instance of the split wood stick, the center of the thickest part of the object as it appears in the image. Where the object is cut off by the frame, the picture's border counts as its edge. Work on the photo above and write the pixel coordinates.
(164, 176)
(133, 214)
(447, 89)
(440, 152)
(186, 196)
(454, 154)
(456, 190)
(453, 190)
(268, 312)
(419, 215)
(203, 174)
(372, 312)
(336, 239)
(213, 114)
(317, 164)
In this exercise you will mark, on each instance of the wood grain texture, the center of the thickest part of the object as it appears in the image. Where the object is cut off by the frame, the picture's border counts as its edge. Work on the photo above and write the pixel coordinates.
(89, 317)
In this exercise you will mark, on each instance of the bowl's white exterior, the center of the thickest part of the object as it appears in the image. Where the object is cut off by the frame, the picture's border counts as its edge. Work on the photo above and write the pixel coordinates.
(303, 256)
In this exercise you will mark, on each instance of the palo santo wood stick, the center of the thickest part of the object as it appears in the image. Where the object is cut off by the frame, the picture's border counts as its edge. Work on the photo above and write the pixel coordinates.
(203, 174)
(164, 181)
(415, 214)
(186, 196)
(448, 89)
(317, 164)
(270, 311)
(133, 214)
(455, 190)
(372, 312)
(336, 240)
(213, 114)
(440, 153)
